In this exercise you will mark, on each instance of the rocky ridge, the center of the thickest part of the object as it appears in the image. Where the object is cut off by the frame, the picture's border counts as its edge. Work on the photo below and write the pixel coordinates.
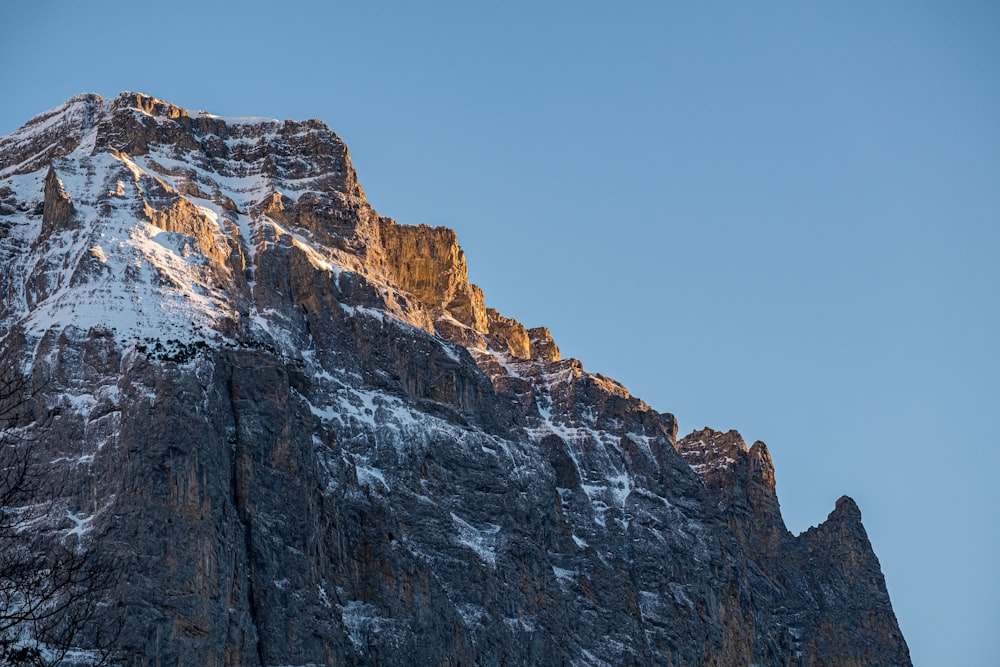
(313, 443)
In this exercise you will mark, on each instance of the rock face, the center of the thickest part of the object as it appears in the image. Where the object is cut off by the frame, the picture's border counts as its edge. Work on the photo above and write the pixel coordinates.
(825, 586)
(311, 443)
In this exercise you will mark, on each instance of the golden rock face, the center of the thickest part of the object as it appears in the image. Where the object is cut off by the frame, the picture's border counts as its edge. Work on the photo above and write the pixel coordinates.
(154, 107)
(182, 217)
(428, 263)
(509, 333)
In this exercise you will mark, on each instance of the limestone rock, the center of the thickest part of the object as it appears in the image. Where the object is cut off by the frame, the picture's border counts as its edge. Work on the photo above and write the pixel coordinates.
(542, 345)
(308, 441)
(509, 336)
(427, 263)
(48, 136)
(57, 207)
(741, 481)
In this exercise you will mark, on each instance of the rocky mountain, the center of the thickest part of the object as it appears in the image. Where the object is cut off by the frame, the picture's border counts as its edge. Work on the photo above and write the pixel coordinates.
(308, 442)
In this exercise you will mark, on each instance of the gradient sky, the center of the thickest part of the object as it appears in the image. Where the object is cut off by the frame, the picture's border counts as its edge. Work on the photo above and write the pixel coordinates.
(778, 217)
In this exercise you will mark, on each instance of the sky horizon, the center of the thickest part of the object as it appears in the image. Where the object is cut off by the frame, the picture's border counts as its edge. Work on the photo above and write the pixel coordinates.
(782, 219)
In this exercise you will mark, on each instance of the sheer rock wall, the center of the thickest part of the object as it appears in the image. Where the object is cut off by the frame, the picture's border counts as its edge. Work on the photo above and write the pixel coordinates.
(310, 442)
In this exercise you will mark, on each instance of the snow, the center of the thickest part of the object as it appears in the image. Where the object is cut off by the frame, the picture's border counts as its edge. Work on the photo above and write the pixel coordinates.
(482, 542)
(118, 272)
(367, 409)
(451, 350)
(368, 474)
(471, 614)
(363, 310)
(357, 616)
(595, 452)
(80, 525)
(615, 485)
(679, 592)
(235, 120)
(520, 623)
(650, 604)
(620, 486)
(81, 402)
(589, 659)
(112, 270)
(69, 115)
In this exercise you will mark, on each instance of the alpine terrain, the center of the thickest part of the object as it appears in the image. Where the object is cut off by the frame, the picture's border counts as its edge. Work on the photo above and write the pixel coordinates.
(305, 439)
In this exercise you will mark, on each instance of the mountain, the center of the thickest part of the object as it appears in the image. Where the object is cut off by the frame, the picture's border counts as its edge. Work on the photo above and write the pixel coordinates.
(308, 442)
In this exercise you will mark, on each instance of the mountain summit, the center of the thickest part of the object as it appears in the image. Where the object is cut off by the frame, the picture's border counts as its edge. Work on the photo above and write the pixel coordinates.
(310, 442)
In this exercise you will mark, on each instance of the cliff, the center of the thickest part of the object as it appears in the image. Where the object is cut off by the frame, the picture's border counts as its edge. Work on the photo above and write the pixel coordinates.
(310, 442)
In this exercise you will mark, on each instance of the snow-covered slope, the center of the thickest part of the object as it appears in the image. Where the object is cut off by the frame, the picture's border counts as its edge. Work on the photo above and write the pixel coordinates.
(145, 248)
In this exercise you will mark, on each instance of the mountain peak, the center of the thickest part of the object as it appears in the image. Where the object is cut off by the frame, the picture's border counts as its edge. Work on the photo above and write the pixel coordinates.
(310, 441)
(846, 510)
(176, 205)
(147, 104)
(49, 135)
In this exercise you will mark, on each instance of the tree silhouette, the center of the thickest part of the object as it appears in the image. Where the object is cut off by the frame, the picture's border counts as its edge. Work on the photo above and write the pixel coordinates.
(53, 583)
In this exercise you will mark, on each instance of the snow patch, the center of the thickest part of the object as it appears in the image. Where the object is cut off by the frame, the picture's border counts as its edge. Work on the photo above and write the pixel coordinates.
(483, 542)
(367, 475)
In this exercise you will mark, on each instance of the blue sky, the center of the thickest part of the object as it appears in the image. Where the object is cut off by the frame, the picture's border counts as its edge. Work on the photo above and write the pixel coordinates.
(779, 217)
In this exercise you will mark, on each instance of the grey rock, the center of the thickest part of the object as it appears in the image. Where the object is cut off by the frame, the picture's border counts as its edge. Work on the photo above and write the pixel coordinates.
(309, 441)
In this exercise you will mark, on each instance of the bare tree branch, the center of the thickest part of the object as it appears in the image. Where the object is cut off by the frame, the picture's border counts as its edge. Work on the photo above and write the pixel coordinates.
(53, 588)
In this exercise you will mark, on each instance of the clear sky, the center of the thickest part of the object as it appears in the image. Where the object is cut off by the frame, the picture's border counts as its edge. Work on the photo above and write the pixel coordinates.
(779, 217)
